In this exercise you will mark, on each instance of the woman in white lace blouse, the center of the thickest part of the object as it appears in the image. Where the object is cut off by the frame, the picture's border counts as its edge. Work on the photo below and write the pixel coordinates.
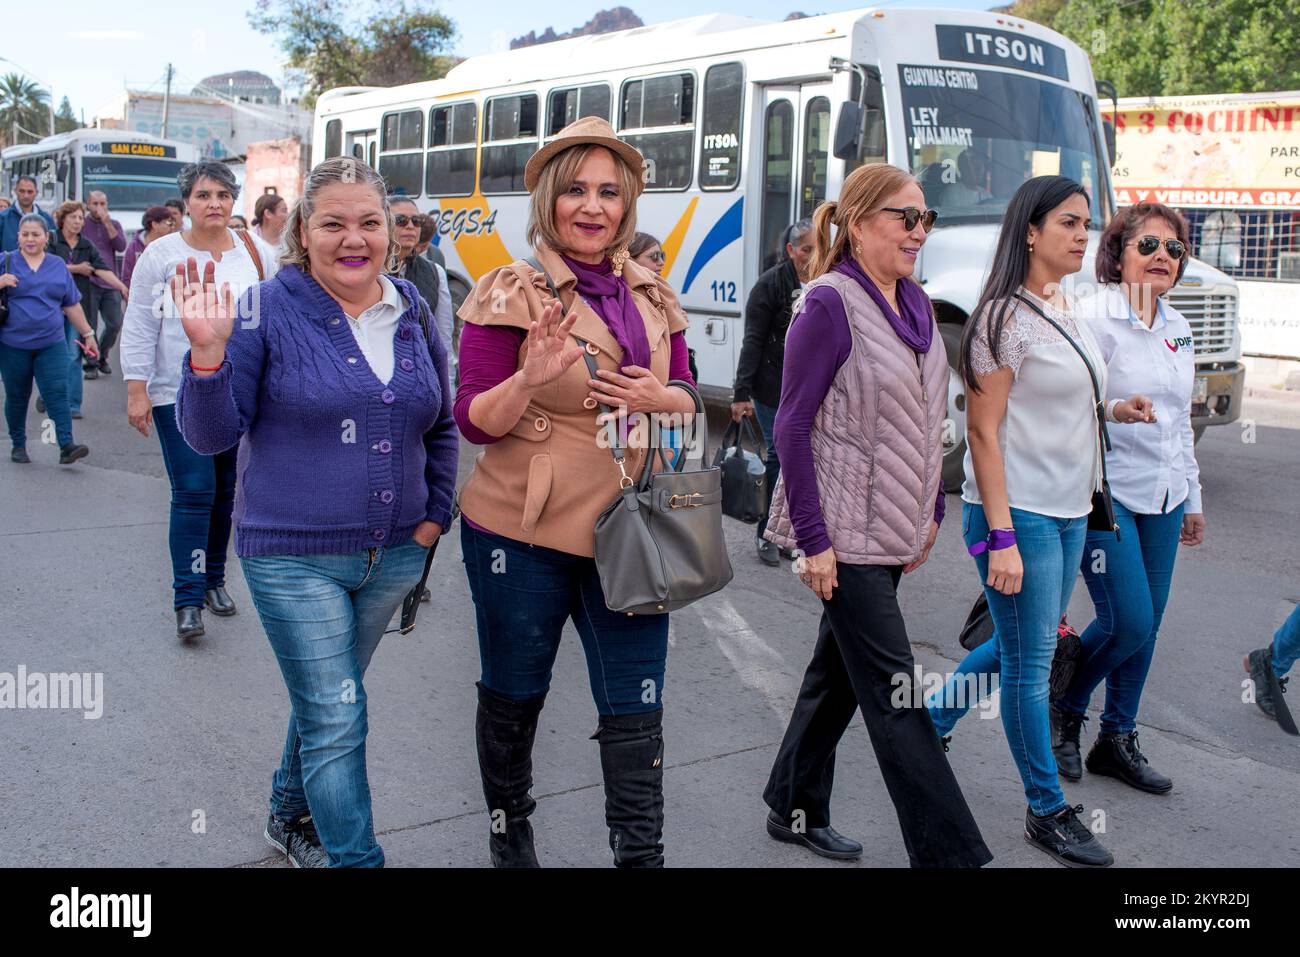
(1032, 465)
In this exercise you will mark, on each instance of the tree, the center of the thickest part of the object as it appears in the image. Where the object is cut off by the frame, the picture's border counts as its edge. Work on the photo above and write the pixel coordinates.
(332, 43)
(1180, 47)
(64, 119)
(24, 109)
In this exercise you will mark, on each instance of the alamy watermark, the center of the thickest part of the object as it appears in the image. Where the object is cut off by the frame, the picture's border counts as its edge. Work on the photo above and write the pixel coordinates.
(57, 691)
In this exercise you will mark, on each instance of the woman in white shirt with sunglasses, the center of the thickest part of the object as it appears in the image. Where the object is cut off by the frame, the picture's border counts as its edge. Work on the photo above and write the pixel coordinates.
(1155, 482)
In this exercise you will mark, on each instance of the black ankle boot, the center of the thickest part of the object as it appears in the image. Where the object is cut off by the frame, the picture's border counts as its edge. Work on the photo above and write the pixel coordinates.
(505, 729)
(1118, 756)
(1065, 742)
(632, 759)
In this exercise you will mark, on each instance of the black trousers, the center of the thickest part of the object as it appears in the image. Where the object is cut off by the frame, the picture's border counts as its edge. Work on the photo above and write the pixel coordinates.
(861, 657)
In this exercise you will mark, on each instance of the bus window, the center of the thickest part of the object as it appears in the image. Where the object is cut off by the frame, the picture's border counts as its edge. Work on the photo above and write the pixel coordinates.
(663, 106)
(509, 138)
(575, 102)
(778, 178)
(333, 138)
(816, 147)
(453, 135)
(724, 94)
(401, 144)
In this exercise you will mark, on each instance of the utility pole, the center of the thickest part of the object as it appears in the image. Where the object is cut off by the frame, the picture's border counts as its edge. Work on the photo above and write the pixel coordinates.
(167, 100)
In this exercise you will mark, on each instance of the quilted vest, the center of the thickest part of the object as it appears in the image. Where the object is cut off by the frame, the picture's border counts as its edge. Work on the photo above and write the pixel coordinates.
(876, 440)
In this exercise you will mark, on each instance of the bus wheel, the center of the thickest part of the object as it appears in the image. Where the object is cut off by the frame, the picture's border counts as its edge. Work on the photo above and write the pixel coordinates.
(954, 429)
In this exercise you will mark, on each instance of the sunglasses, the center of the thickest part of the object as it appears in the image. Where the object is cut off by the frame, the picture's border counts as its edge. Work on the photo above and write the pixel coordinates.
(658, 256)
(911, 216)
(1149, 244)
(419, 219)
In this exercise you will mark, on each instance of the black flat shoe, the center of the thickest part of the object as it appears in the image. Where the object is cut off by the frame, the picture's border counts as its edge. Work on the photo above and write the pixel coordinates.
(189, 622)
(20, 456)
(1118, 756)
(1065, 742)
(1066, 838)
(219, 602)
(71, 452)
(823, 841)
(90, 372)
(40, 405)
(1269, 688)
(768, 553)
(105, 369)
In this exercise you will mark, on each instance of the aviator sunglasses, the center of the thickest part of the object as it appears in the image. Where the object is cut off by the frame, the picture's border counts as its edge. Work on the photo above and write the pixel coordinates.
(401, 219)
(1149, 244)
(911, 216)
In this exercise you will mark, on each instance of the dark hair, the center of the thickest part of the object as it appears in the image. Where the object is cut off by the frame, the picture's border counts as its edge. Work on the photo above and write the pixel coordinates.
(243, 223)
(1126, 224)
(266, 203)
(429, 228)
(155, 214)
(796, 230)
(640, 243)
(1033, 201)
(176, 204)
(191, 173)
(30, 178)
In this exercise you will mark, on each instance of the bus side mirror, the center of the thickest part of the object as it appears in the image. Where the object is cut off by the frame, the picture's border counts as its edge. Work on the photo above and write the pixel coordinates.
(848, 130)
(1108, 130)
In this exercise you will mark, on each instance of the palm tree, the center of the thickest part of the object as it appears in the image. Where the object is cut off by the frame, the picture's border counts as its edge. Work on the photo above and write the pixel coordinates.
(24, 103)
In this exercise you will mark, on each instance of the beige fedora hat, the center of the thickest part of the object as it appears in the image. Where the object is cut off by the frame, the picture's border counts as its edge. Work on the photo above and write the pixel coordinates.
(589, 129)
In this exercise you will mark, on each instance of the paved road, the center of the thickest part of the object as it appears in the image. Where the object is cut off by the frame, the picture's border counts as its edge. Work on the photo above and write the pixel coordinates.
(193, 733)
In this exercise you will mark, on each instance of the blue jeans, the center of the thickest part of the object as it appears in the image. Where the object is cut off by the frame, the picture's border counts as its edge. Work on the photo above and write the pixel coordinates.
(48, 367)
(324, 616)
(74, 370)
(523, 595)
(1023, 643)
(203, 496)
(1129, 583)
(766, 415)
(1286, 644)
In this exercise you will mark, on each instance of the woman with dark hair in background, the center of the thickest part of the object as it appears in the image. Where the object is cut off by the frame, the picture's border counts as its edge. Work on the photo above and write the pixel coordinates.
(647, 251)
(1032, 464)
(156, 222)
(269, 215)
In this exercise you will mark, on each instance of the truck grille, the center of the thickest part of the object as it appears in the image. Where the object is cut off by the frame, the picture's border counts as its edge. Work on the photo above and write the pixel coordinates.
(1212, 319)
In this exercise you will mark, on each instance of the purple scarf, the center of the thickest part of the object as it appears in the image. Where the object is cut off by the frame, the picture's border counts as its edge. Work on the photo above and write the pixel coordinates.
(609, 296)
(915, 326)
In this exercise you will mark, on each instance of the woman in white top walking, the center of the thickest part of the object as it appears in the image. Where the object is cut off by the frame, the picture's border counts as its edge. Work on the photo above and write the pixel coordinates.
(153, 347)
(1155, 481)
(1032, 465)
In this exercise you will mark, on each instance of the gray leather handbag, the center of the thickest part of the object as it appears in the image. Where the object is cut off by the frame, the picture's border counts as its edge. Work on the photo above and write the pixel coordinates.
(659, 543)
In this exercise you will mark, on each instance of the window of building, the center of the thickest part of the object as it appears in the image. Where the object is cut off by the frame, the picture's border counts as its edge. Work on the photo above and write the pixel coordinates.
(509, 138)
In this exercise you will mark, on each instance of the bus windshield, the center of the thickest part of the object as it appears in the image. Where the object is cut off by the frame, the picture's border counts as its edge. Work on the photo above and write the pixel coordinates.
(131, 182)
(975, 135)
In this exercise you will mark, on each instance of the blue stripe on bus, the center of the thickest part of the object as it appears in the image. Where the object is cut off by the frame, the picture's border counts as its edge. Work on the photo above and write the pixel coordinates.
(724, 232)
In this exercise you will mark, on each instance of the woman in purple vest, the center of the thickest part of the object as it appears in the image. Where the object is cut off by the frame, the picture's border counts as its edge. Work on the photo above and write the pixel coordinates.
(863, 399)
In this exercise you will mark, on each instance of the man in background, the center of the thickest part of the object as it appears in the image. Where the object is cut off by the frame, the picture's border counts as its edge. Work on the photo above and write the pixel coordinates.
(109, 238)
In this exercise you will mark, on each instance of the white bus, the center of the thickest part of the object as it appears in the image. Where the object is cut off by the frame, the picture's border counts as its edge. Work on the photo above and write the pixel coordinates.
(135, 170)
(748, 126)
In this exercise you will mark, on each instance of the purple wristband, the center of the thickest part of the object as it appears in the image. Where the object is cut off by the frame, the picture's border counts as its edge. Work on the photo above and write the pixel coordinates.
(999, 538)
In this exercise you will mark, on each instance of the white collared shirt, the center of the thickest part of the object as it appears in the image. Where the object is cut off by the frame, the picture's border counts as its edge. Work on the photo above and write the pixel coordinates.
(375, 328)
(1151, 466)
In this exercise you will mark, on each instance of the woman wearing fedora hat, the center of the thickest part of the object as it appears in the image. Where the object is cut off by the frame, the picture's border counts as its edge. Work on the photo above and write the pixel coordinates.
(531, 503)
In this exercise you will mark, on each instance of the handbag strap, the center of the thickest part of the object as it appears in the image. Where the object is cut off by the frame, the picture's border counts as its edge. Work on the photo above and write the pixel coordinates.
(1099, 406)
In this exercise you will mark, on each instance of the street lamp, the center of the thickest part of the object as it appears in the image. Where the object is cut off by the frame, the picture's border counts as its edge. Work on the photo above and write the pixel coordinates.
(38, 80)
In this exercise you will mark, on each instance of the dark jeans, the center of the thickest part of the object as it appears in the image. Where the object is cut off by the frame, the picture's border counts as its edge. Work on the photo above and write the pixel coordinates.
(49, 367)
(766, 415)
(1129, 581)
(862, 659)
(523, 594)
(203, 496)
(104, 304)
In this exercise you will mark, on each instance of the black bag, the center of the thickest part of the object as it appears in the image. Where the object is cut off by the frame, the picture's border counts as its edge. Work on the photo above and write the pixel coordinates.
(4, 295)
(979, 624)
(744, 475)
(1102, 516)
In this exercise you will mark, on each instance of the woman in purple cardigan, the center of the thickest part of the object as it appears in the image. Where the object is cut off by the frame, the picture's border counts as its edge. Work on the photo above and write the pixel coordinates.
(347, 457)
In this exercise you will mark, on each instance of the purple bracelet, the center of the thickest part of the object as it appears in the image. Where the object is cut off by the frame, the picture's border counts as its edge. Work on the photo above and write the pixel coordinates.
(999, 538)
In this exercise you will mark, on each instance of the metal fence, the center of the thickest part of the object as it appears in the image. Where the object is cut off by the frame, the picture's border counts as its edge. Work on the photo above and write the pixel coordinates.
(1247, 243)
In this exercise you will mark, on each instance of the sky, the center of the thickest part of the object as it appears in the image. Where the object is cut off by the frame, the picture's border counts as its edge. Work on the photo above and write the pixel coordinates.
(109, 47)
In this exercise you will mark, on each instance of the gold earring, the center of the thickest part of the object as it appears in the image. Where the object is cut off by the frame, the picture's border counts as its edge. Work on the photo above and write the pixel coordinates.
(619, 257)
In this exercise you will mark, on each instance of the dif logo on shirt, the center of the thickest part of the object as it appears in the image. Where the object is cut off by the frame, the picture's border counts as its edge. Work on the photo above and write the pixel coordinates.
(1182, 342)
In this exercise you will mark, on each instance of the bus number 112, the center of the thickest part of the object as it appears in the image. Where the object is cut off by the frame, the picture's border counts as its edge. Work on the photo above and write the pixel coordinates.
(723, 291)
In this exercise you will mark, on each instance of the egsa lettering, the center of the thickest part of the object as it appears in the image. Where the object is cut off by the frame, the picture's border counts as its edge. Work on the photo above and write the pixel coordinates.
(465, 222)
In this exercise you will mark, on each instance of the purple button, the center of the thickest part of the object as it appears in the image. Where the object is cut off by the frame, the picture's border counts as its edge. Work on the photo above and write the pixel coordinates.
(378, 534)
(386, 496)
(408, 365)
(387, 396)
(405, 333)
(385, 446)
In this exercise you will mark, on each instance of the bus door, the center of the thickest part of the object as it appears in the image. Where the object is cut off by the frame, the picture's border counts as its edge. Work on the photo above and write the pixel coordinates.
(793, 162)
(363, 144)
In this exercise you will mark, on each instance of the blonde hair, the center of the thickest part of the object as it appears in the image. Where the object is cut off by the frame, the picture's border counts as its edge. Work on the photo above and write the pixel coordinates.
(555, 179)
(865, 192)
(340, 169)
(65, 210)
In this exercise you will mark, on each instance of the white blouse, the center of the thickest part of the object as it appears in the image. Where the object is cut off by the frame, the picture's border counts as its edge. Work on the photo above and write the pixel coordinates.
(1151, 466)
(1048, 436)
(375, 329)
